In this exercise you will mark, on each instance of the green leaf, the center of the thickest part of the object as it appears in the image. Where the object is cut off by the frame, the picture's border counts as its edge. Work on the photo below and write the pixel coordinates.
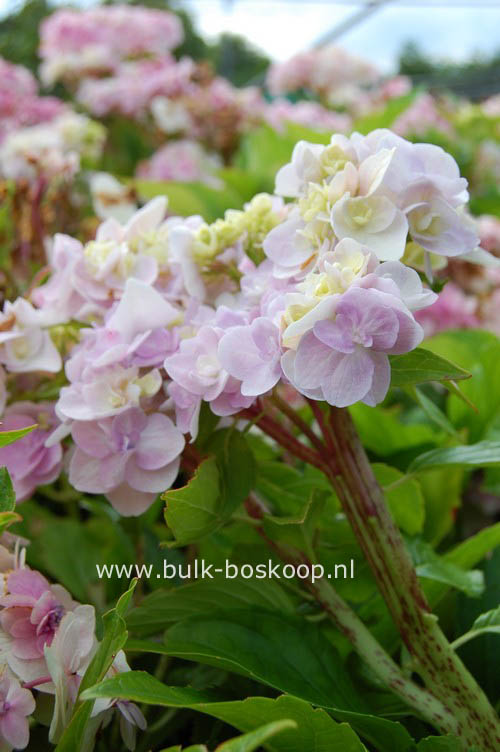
(420, 366)
(439, 744)
(316, 731)
(464, 556)
(219, 486)
(432, 411)
(286, 488)
(76, 735)
(236, 468)
(193, 511)
(286, 653)
(478, 352)
(57, 544)
(434, 567)
(254, 739)
(205, 597)
(7, 519)
(384, 433)
(380, 732)
(405, 498)
(489, 622)
(482, 454)
(7, 495)
(190, 198)
(298, 531)
(9, 437)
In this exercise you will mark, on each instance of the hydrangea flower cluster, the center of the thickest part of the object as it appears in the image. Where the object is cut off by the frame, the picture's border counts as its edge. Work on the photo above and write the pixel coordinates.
(47, 641)
(135, 76)
(156, 316)
(182, 160)
(20, 103)
(337, 78)
(100, 39)
(54, 149)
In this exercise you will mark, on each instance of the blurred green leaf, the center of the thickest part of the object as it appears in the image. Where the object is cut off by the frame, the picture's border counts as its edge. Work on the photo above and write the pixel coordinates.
(439, 744)
(434, 567)
(205, 597)
(254, 739)
(386, 116)
(488, 622)
(482, 454)
(383, 431)
(404, 497)
(187, 198)
(479, 353)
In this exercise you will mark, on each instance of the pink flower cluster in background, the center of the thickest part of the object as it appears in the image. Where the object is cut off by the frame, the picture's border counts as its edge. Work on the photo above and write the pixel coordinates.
(181, 160)
(337, 78)
(20, 103)
(100, 39)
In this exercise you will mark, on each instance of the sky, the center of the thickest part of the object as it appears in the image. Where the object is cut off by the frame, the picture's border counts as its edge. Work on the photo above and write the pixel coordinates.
(282, 28)
(450, 29)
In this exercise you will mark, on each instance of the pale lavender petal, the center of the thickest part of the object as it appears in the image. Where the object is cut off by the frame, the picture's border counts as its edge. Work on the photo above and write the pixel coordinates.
(159, 444)
(410, 334)
(151, 481)
(129, 502)
(94, 438)
(14, 728)
(336, 334)
(313, 362)
(350, 380)
(381, 379)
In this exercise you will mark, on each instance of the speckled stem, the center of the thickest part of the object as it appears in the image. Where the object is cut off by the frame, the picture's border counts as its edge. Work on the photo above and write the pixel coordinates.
(444, 674)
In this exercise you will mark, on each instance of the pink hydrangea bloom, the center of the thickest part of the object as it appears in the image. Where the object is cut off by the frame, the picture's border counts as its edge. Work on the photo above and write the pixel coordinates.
(252, 354)
(16, 704)
(197, 367)
(32, 610)
(130, 458)
(29, 462)
(489, 233)
(98, 39)
(420, 117)
(20, 104)
(344, 360)
(452, 310)
(183, 161)
(309, 114)
(134, 85)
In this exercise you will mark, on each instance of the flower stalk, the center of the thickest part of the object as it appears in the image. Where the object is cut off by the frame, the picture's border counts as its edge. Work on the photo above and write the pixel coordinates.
(434, 659)
(451, 699)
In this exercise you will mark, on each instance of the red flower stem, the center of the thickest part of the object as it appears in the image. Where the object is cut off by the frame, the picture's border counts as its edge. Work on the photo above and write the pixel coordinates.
(295, 418)
(282, 436)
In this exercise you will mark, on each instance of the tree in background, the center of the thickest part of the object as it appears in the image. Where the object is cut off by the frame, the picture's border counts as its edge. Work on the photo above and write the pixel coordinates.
(476, 79)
